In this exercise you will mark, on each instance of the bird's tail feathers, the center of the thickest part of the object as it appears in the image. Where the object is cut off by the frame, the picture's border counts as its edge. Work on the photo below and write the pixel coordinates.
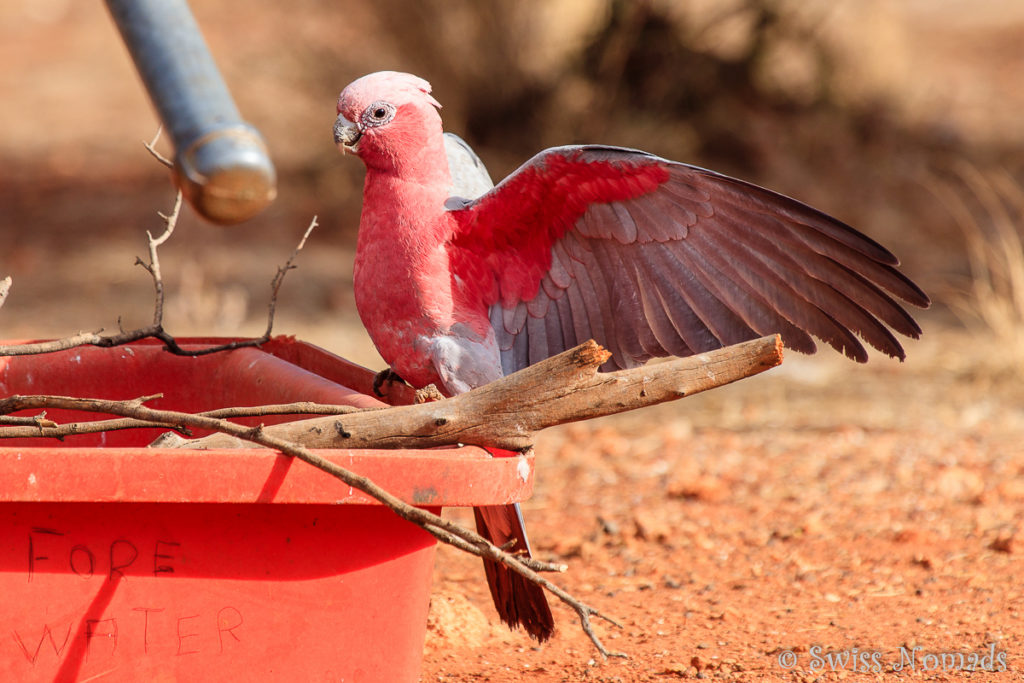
(519, 602)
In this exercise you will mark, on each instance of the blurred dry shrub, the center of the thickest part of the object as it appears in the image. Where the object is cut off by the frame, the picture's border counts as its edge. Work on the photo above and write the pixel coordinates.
(517, 76)
(202, 304)
(988, 207)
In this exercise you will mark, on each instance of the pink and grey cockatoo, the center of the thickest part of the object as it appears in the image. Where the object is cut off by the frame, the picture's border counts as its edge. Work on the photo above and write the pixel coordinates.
(459, 283)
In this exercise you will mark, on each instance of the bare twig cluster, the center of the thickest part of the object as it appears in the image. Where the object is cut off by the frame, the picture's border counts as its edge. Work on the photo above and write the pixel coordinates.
(156, 330)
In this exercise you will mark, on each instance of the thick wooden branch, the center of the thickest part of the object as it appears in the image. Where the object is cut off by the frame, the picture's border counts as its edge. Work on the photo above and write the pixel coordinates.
(508, 413)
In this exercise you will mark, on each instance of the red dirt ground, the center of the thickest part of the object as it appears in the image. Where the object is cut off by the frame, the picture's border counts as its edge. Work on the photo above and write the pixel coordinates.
(871, 512)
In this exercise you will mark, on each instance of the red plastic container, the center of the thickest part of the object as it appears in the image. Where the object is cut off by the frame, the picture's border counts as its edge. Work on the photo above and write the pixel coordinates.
(123, 563)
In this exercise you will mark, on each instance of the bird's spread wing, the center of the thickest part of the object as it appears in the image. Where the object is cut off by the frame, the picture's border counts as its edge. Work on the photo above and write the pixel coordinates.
(651, 257)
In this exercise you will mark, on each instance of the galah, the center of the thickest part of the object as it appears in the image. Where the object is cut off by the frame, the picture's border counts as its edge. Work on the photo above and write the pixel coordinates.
(459, 283)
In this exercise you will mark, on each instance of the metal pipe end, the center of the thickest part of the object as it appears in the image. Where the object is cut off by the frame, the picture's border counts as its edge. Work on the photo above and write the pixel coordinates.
(227, 175)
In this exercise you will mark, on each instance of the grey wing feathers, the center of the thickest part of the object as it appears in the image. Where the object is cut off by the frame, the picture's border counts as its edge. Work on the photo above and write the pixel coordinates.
(470, 178)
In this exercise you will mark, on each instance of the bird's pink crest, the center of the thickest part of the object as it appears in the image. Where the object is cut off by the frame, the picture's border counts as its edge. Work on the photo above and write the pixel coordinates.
(393, 86)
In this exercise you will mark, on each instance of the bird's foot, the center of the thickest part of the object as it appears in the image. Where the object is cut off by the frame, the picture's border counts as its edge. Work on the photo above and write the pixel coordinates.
(385, 376)
(428, 394)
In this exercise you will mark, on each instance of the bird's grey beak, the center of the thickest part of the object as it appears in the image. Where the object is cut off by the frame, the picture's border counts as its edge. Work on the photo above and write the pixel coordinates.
(346, 135)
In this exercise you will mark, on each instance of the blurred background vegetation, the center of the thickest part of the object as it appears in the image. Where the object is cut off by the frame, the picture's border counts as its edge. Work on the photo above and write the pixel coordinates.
(901, 117)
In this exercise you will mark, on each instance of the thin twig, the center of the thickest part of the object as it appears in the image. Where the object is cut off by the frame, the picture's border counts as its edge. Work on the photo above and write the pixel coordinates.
(34, 348)
(275, 284)
(151, 148)
(48, 429)
(5, 287)
(35, 426)
(36, 422)
(153, 267)
(297, 408)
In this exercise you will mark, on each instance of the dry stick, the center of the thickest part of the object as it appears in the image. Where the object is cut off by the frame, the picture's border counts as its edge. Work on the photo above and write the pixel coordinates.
(508, 412)
(151, 148)
(153, 267)
(80, 339)
(503, 414)
(452, 534)
(36, 427)
(5, 287)
(275, 286)
(156, 330)
(36, 422)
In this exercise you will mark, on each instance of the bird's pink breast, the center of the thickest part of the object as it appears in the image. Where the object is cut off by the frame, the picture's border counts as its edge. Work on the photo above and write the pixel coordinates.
(403, 278)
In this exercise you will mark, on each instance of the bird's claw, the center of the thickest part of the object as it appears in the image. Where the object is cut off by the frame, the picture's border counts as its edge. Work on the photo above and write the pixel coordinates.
(387, 375)
(428, 394)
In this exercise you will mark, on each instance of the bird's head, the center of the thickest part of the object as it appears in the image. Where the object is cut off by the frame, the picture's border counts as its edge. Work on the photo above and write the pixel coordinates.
(388, 119)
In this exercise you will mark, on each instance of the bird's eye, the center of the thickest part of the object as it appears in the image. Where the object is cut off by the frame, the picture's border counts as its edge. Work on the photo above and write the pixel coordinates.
(378, 113)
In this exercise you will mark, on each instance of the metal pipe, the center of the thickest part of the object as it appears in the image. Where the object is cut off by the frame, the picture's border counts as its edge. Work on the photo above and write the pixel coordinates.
(221, 162)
